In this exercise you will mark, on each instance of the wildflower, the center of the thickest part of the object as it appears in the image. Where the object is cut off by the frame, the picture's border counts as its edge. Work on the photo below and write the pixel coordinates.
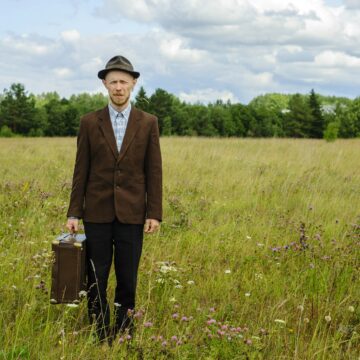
(153, 338)
(82, 293)
(279, 321)
(179, 342)
(247, 294)
(248, 237)
(211, 321)
(224, 327)
(184, 318)
(248, 341)
(212, 309)
(260, 244)
(174, 338)
(172, 299)
(175, 316)
(148, 324)
(191, 282)
(178, 286)
(351, 308)
(306, 320)
(221, 333)
(228, 271)
(121, 340)
(328, 318)
(117, 304)
(128, 337)
(301, 308)
(164, 343)
(138, 314)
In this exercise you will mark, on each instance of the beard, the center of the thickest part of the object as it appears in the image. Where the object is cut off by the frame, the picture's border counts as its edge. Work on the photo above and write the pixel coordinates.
(119, 102)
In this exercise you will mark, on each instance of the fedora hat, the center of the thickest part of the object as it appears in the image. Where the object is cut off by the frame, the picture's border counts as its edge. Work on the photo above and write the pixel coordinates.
(118, 62)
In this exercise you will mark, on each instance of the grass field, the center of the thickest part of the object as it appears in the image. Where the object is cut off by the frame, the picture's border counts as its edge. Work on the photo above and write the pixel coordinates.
(257, 258)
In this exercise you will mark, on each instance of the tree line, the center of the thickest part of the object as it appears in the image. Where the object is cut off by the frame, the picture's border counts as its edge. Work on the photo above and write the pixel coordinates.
(269, 115)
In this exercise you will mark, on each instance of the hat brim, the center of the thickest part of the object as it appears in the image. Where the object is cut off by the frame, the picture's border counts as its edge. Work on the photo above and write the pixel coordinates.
(102, 73)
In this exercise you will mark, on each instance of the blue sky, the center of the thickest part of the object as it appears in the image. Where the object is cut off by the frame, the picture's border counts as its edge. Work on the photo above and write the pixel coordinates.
(200, 50)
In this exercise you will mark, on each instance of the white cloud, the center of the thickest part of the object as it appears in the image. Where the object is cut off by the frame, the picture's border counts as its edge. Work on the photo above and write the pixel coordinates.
(200, 50)
(336, 59)
(207, 96)
(62, 72)
(70, 35)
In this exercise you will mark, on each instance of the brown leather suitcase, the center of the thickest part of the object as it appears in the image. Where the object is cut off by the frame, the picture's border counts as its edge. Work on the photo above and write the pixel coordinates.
(69, 269)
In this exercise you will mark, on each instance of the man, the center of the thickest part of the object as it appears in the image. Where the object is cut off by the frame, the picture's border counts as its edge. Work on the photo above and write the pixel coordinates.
(117, 191)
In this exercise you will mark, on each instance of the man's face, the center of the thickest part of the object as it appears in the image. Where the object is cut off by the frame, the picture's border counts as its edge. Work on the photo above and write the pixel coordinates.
(119, 85)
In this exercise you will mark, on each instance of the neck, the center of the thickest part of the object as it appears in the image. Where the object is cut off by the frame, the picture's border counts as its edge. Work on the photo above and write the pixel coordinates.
(119, 108)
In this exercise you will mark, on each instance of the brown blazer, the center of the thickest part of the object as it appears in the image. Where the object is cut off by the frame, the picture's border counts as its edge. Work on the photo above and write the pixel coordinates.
(109, 184)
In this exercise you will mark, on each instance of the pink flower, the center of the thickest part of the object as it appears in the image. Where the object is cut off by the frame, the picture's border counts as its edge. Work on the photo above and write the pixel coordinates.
(184, 318)
(174, 338)
(212, 309)
(211, 321)
(148, 324)
(175, 316)
(164, 343)
(121, 340)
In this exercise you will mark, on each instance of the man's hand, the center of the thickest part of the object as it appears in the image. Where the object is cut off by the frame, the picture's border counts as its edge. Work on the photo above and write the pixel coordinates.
(73, 225)
(151, 225)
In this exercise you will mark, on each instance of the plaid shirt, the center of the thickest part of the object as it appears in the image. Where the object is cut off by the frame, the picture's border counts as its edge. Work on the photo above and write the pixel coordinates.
(119, 122)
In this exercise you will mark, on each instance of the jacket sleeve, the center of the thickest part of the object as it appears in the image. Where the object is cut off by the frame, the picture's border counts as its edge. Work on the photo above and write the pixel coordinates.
(81, 171)
(153, 173)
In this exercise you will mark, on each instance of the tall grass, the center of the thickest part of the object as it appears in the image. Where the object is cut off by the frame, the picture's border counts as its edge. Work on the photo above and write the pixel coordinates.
(257, 258)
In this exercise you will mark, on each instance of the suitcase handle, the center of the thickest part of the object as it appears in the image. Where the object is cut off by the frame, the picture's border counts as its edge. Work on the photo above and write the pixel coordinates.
(69, 238)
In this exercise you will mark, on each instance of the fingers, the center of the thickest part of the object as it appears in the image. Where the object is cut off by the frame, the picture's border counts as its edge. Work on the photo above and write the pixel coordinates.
(151, 225)
(72, 225)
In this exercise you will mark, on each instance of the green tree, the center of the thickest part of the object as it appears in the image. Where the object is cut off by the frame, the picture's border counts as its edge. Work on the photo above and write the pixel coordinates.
(298, 118)
(316, 126)
(17, 110)
(160, 104)
(141, 100)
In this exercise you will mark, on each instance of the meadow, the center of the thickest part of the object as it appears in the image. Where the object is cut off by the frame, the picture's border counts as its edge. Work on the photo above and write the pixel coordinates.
(257, 257)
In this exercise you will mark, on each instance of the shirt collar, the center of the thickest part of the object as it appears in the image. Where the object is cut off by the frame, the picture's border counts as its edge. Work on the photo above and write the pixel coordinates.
(114, 113)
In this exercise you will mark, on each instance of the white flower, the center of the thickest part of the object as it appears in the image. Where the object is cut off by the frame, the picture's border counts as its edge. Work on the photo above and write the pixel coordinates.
(178, 286)
(301, 308)
(327, 318)
(191, 282)
(228, 271)
(247, 294)
(172, 299)
(351, 308)
(279, 321)
(160, 280)
(248, 237)
(260, 244)
(82, 293)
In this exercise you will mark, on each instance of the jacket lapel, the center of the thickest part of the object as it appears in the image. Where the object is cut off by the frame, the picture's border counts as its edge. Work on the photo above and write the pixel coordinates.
(107, 130)
(131, 129)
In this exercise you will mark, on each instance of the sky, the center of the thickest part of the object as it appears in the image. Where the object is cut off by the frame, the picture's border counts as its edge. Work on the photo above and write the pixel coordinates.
(199, 50)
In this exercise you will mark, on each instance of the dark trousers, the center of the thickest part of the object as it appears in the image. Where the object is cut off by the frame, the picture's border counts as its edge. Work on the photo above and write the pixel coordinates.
(124, 242)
